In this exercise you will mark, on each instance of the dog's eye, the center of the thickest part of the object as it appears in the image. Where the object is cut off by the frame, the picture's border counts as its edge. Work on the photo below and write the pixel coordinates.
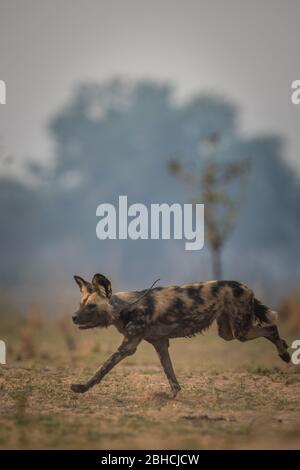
(91, 306)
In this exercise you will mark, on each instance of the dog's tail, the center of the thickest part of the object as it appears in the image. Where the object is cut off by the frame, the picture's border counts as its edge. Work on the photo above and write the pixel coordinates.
(263, 313)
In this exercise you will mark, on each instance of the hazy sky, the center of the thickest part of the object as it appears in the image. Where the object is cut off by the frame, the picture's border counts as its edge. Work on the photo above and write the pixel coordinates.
(247, 50)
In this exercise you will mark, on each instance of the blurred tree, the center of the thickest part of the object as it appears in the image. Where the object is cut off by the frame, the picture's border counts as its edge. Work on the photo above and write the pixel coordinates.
(221, 206)
(116, 138)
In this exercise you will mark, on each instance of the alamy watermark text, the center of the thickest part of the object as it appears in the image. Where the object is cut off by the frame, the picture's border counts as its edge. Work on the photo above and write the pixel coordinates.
(2, 352)
(158, 222)
(2, 92)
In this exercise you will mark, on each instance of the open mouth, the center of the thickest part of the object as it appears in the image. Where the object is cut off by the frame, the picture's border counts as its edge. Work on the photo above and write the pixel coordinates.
(87, 326)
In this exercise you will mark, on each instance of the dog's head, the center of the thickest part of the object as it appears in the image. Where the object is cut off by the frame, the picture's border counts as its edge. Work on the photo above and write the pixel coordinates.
(95, 308)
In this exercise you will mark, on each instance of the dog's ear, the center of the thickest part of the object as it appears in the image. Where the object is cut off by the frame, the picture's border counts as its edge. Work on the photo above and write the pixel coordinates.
(102, 285)
(84, 286)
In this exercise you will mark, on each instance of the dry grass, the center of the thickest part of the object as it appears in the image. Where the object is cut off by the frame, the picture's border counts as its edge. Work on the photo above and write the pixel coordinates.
(233, 395)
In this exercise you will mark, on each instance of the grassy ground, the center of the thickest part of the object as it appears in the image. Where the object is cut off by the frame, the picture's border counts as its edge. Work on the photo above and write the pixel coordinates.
(233, 395)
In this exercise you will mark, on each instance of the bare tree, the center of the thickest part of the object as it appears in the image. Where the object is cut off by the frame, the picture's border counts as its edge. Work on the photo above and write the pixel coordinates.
(213, 189)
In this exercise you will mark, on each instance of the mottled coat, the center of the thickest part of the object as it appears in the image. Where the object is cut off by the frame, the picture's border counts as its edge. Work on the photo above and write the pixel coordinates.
(159, 314)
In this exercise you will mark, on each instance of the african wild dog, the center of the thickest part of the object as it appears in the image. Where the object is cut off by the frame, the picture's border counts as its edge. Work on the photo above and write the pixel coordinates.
(161, 313)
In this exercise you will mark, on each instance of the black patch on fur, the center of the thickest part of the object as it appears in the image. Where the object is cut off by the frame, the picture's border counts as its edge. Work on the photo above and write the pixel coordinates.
(135, 318)
(194, 294)
(189, 329)
(260, 311)
(216, 288)
(149, 303)
(236, 287)
(176, 307)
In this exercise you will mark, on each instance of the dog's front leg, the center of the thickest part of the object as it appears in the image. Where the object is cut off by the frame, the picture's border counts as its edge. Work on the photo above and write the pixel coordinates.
(127, 348)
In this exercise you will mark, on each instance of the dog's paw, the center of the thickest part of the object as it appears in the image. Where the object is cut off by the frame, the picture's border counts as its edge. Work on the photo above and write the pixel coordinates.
(79, 388)
(285, 344)
(174, 391)
(285, 357)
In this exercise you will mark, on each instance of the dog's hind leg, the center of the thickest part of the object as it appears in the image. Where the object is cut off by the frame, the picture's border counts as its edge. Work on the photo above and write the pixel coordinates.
(269, 332)
(224, 328)
(162, 348)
